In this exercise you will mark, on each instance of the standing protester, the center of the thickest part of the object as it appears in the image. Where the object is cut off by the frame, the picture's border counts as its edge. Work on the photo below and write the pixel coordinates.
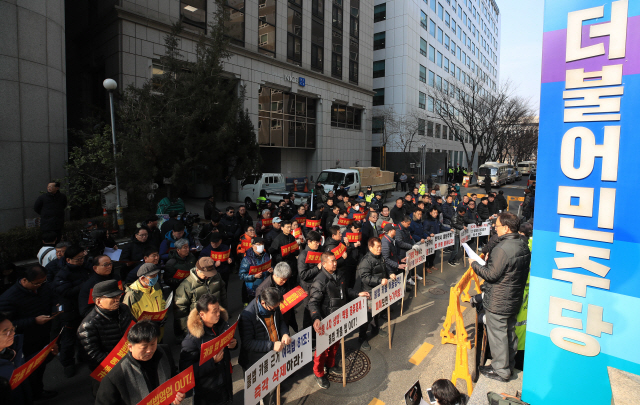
(492, 205)
(284, 239)
(503, 205)
(255, 256)
(458, 224)
(385, 216)
(50, 206)
(505, 275)
(404, 242)
(431, 229)
(487, 183)
(134, 250)
(448, 211)
(398, 211)
(411, 182)
(102, 271)
(47, 252)
(526, 232)
(261, 228)
(155, 237)
(67, 286)
(403, 181)
(246, 238)
(179, 259)
(104, 326)
(273, 233)
(308, 269)
(170, 238)
(223, 267)
(373, 273)
(29, 304)
(143, 369)
(333, 243)
(396, 179)
(369, 230)
(59, 263)
(213, 379)
(243, 218)
(328, 293)
(282, 281)
(262, 329)
(203, 279)
(145, 295)
(391, 252)
(210, 207)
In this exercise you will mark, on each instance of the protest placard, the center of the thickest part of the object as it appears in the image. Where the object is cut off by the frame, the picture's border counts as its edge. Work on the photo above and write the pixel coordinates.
(24, 371)
(341, 322)
(479, 230)
(113, 357)
(313, 257)
(166, 393)
(300, 220)
(157, 316)
(297, 233)
(286, 250)
(312, 223)
(268, 372)
(344, 221)
(415, 257)
(220, 256)
(354, 237)
(253, 270)
(292, 298)
(209, 349)
(383, 296)
(429, 247)
(180, 274)
(443, 240)
(465, 235)
(358, 216)
(339, 250)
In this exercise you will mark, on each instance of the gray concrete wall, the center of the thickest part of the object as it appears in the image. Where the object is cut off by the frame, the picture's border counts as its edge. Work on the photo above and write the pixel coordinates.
(33, 128)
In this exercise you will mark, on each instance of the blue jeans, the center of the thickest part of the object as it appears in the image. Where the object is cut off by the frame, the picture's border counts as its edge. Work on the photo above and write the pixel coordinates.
(456, 249)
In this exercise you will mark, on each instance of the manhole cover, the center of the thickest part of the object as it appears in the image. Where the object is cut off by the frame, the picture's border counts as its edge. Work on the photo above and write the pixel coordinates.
(358, 365)
(429, 281)
(436, 291)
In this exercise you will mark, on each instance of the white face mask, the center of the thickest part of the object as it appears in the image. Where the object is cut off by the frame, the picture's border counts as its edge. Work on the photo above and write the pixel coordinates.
(260, 248)
(357, 207)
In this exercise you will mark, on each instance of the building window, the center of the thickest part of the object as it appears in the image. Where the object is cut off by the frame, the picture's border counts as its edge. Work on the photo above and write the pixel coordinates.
(317, 39)
(422, 99)
(432, 54)
(194, 13)
(421, 124)
(444, 131)
(432, 79)
(439, 59)
(380, 12)
(377, 125)
(446, 42)
(423, 47)
(378, 98)
(437, 130)
(354, 18)
(430, 128)
(286, 119)
(379, 40)
(354, 43)
(433, 5)
(235, 24)
(336, 54)
(337, 16)
(432, 28)
(446, 65)
(450, 135)
(438, 82)
(378, 68)
(294, 34)
(267, 27)
(317, 8)
(343, 116)
(423, 74)
(447, 19)
(430, 104)
(440, 10)
(423, 19)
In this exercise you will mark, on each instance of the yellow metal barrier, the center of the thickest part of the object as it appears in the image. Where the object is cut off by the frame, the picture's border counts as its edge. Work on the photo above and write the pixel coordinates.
(479, 195)
(511, 198)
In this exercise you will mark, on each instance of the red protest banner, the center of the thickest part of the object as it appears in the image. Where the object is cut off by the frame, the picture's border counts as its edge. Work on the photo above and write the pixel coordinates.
(113, 357)
(91, 293)
(209, 349)
(359, 216)
(220, 256)
(297, 233)
(166, 393)
(339, 250)
(300, 220)
(245, 244)
(354, 237)
(292, 298)
(383, 224)
(24, 371)
(260, 268)
(266, 222)
(181, 274)
(313, 257)
(344, 221)
(153, 316)
(312, 223)
(288, 249)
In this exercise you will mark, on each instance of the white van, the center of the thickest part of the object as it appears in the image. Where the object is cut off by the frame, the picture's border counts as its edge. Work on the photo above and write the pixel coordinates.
(350, 178)
(498, 172)
(249, 188)
(526, 167)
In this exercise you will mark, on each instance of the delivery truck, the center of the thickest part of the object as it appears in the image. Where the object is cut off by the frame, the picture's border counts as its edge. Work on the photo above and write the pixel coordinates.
(357, 179)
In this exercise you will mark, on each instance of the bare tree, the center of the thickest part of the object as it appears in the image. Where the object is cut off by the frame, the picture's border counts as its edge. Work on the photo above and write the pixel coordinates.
(522, 141)
(401, 131)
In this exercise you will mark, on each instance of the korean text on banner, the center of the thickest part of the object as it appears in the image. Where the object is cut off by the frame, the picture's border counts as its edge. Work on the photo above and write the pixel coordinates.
(354, 237)
(24, 371)
(415, 257)
(180, 274)
(479, 230)
(153, 316)
(312, 223)
(443, 240)
(313, 257)
(209, 349)
(384, 295)
(220, 256)
(166, 393)
(266, 222)
(300, 220)
(286, 250)
(465, 235)
(429, 247)
(260, 268)
(358, 217)
(297, 233)
(113, 357)
(344, 221)
(275, 367)
(292, 298)
(341, 322)
(339, 250)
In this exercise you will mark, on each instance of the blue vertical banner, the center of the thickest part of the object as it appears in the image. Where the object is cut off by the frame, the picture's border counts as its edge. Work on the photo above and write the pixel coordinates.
(585, 270)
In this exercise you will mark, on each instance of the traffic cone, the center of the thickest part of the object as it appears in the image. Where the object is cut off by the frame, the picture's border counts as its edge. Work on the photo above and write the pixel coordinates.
(295, 185)
(306, 185)
(104, 212)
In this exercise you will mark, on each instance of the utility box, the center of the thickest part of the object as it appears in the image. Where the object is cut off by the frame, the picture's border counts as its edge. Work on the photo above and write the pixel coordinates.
(109, 199)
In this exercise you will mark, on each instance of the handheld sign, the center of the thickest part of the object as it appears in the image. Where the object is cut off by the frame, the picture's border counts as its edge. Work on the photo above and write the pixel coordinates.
(253, 270)
(180, 274)
(359, 216)
(312, 223)
(266, 222)
(443, 240)
(313, 257)
(344, 221)
(341, 322)
(220, 256)
(429, 247)
(354, 237)
(339, 250)
(297, 233)
(166, 393)
(383, 224)
(153, 316)
(292, 298)
(286, 250)
(415, 257)
(209, 349)
(383, 296)
(245, 244)
(465, 235)
(91, 293)
(118, 352)
(275, 367)
(300, 220)
(24, 371)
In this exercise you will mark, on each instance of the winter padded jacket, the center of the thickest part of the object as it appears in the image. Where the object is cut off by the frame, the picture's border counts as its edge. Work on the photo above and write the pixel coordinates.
(483, 211)
(404, 241)
(191, 289)
(505, 274)
(51, 208)
(134, 250)
(391, 254)
(276, 253)
(448, 213)
(372, 270)
(213, 380)
(175, 263)
(307, 272)
(327, 294)
(254, 334)
(431, 226)
(101, 330)
(140, 299)
(252, 259)
(458, 223)
(67, 284)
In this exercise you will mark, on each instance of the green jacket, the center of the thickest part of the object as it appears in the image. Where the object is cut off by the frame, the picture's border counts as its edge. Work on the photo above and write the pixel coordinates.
(191, 289)
(521, 320)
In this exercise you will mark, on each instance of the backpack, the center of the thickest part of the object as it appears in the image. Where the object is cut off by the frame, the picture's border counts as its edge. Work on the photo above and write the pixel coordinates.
(503, 399)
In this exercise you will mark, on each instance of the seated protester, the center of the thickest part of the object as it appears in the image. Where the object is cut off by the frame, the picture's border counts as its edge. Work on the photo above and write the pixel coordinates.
(29, 304)
(342, 214)
(483, 209)
(145, 295)
(104, 326)
(262, 329)
(276, 229)
(179, 259)
(167, 226)
(308, 269)
(457, 225)
(155, 237)
(353, 255)
(301, 219)
(143, 369)
(134, 250)
(284, 239)
(431, 229)
(203, 279)
(150, 256)
(214, 382)
(55, 266)
(212, 226)
(170, 239)
(255, 256)
(102, 271)
(384, 216)
(372, 272)
(282, 281)
(247, 236)
(223, 267)
(244, 218)
(447, 394)
(472, 217)
(100, 236)
(47, 252)
(261, 229)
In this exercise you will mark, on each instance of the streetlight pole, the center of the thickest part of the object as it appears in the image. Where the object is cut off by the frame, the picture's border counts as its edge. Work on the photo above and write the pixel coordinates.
(111, 85)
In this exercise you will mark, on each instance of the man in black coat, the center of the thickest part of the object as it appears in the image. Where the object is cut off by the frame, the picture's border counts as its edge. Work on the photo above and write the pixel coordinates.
(262, 329)
(483, 209)
(104, 326)
(493, 205)
(285, 239)
(169, 224)
(230, 227)
(448, 211)
(50, 206)
(30, 304)
(501, 201)
(102, 271)
(328, 293)
(244, 218)
(369, 230)
(505, 274)
(398, 211)
(333, 246)
(308, 269)
(210, 207)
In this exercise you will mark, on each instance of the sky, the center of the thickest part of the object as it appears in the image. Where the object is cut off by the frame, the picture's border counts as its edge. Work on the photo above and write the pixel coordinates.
(521, 47)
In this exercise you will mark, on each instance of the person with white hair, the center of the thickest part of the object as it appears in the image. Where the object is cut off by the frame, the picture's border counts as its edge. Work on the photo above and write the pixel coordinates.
(282, 281)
